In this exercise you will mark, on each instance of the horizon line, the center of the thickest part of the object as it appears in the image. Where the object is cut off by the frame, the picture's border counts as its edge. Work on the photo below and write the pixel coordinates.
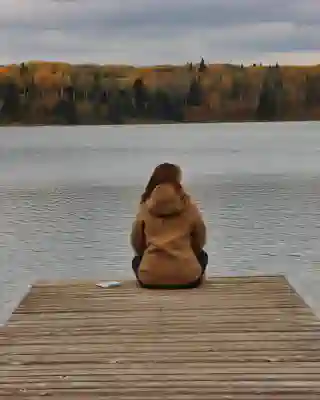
(246, 65)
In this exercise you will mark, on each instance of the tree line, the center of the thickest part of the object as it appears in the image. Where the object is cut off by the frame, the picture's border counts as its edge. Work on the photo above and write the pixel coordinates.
(57, 93)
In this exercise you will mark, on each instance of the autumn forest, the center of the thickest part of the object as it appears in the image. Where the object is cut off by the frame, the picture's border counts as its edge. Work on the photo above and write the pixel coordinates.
(37, 93)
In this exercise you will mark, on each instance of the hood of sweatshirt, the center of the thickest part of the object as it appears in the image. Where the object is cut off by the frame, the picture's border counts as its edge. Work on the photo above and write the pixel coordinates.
(166, 201)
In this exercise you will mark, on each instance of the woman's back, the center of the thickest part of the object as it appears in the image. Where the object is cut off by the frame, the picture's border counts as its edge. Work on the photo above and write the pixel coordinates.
(169, 232)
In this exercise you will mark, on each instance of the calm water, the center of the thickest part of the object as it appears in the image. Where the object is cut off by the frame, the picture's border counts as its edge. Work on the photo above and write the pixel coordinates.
(68, 197)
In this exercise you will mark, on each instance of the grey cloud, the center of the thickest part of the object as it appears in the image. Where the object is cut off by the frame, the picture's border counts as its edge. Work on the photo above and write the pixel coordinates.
(79, 14)
(170, 30)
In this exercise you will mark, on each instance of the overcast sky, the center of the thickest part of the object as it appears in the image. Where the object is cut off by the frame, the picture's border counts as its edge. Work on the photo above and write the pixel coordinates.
(147, 32)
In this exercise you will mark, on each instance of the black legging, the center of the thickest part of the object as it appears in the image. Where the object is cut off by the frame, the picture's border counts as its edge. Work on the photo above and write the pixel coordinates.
(202, 258)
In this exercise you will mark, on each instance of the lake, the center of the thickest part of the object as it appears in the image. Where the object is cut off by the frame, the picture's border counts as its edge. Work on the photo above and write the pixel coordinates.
(68, 196)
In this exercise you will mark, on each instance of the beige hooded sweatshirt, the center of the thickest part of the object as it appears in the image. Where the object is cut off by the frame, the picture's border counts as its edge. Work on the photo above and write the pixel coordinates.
(168, 231)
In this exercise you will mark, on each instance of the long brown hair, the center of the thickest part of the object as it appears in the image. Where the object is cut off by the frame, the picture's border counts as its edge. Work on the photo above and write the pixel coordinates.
(163, 173)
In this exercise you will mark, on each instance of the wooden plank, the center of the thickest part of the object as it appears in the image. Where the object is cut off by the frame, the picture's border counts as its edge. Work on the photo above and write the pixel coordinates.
(243, 338)
(107, 348)
(152, 396)
(237, 280)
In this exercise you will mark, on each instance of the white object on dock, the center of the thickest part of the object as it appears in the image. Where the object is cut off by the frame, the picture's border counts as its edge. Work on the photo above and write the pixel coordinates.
(110, 284)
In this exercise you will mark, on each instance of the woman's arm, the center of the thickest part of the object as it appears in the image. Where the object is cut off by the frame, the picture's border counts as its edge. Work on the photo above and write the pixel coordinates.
(198, 232)
(137, 237)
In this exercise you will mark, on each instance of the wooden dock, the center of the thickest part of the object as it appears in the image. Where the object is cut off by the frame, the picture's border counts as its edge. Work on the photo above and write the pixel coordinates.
(244, 338)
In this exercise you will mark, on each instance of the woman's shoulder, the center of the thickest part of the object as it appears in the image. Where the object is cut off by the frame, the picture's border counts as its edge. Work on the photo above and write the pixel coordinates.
(194, 207)
(191, 204)
(140, 211)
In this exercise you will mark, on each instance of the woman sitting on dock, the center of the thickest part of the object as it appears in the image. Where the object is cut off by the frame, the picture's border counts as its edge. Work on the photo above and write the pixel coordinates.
(168, 234)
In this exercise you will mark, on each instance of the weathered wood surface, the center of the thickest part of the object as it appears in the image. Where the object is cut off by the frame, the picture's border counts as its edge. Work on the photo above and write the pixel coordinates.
(244, 338)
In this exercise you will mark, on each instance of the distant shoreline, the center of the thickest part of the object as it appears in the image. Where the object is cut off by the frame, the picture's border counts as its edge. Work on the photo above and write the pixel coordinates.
(54, 94)
(158, 123)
